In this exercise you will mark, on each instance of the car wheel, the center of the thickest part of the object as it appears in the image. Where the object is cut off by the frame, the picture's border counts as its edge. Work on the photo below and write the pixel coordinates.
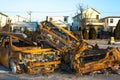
(13, 66)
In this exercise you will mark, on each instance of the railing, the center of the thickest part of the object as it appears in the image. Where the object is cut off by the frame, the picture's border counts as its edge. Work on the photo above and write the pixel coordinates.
(93, 20)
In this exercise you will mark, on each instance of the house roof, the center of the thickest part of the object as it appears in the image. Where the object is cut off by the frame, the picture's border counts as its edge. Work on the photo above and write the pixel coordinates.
(76, 15)
(60, 22)
(94, 10)
(4, 14)
(112, 17)
(57, 16)
(86, 10)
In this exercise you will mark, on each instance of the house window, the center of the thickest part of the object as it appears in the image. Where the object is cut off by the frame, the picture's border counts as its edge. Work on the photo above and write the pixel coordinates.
(111, 20)
(97, 16)
(65, 19)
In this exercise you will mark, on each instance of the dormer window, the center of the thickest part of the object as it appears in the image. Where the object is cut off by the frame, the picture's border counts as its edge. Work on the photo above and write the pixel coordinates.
(111, 20)
(65, 19)
(97, 16)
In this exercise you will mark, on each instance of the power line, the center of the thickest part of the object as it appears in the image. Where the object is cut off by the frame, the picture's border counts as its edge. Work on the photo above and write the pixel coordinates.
(63, 11)
(53, 11)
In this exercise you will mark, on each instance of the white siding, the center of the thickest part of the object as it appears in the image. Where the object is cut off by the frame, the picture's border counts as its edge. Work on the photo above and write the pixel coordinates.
(106, 27)
(115, 21)
(3, 20)
(110, 26)
(90, 13)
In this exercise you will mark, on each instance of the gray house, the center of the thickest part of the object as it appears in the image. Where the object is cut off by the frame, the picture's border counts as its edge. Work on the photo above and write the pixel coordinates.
(31, 26)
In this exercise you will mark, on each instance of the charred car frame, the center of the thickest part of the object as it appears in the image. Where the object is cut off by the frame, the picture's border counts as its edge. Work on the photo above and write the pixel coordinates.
(22, 55)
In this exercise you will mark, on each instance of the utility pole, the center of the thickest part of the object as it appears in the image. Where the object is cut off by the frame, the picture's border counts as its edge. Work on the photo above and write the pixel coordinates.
(18, 17)
(29, 13)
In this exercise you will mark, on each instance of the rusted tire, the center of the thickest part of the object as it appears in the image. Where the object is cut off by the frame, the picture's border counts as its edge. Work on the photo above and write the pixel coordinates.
(13, 66)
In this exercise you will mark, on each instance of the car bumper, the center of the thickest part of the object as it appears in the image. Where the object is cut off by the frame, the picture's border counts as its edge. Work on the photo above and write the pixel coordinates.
(42, 67)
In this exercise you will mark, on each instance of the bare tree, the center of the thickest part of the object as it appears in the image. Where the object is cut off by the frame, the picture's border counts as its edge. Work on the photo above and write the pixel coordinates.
(81, 19)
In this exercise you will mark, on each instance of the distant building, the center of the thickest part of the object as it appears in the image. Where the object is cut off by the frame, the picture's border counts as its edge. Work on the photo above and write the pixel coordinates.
(3, 19)
(60, 20)
(57, 18)
(31, 26)
(110, 23)
(18, 18)
(90, 18)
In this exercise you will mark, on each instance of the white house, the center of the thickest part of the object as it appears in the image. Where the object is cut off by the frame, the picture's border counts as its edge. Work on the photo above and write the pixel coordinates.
(60, 20)
(110, 22)
(57, 18)
(88, 18)
(18, 18)
(3, 19)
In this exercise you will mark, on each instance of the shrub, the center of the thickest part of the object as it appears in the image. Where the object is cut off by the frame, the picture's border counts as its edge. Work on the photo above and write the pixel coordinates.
(117, 31)
(92, 33)
(85, 33)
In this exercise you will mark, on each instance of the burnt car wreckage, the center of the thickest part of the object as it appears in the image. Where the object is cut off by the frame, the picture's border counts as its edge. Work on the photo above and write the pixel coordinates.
(22, 55)
(77, 53)
(59, 46)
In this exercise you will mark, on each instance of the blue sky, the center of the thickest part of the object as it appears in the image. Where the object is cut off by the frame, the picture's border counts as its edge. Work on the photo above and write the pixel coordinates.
(42, 8)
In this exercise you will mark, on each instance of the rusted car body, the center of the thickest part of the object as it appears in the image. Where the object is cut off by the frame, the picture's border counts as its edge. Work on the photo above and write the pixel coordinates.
(22, 55)
(80, 55)
(93, 58)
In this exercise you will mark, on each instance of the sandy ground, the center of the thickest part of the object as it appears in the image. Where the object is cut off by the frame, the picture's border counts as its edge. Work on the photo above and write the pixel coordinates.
(57, 75)
(104, 43)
